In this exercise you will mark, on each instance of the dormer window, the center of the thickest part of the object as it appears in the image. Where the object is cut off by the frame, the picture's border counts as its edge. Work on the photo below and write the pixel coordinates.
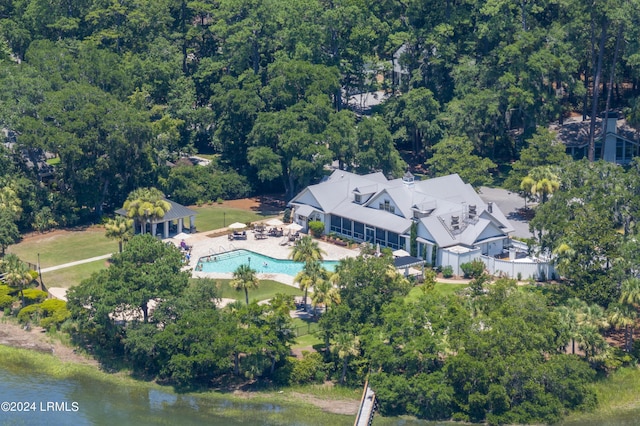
(386, 206)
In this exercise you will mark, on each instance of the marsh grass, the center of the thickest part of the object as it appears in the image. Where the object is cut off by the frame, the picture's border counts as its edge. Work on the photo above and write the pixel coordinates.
(617, 394)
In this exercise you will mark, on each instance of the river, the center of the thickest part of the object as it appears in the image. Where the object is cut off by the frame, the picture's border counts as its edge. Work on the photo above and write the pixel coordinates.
(38, 399)
(84, 401)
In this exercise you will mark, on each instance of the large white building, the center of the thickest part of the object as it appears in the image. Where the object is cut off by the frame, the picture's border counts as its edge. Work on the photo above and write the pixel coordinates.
(450, 217)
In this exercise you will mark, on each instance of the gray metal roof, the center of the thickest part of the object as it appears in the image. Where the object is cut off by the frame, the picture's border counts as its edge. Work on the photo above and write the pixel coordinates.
(378, 218)
(444, 197)
(177, 211)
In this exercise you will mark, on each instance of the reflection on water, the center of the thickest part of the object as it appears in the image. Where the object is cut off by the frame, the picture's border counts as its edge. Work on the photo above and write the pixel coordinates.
(101, 403)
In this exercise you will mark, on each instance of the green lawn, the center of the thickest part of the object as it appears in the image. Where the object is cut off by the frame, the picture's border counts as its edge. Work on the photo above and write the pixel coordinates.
(217, 216)
(266, 290)
(64, 246)
(443, 289)
(69, 277)
(313, 340)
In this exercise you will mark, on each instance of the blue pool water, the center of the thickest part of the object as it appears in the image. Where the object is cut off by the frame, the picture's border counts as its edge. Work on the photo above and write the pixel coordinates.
(229, 262)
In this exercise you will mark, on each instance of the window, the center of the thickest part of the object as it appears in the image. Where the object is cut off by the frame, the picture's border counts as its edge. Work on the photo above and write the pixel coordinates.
(386, 206)
(346, 227)
(358, 230)
(619, 150)
(393, 240)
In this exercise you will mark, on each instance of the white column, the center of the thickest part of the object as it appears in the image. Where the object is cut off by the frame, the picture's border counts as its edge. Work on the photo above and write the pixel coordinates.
(166, 229)
(192, 222)
(154, 228)
(179, 225)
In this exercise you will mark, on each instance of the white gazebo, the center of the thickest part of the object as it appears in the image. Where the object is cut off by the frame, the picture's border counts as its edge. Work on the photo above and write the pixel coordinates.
(177, 213)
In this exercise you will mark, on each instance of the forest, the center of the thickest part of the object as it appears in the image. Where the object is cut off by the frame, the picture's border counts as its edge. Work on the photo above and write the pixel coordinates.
(111, 92)
(102, 97)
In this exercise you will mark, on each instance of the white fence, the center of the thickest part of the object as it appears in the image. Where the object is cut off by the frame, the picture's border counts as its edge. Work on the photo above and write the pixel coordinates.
(524, 268)
(455, 259)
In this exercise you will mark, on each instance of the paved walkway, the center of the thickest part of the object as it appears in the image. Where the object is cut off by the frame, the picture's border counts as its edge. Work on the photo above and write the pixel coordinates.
(77, 262)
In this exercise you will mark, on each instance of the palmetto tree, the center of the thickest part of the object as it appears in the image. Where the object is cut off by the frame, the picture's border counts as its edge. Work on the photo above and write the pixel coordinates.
(623, 316)
(311, 276)
(583, 323)
(325, 293)
(346, 346)
(120, 228)
(543, 182)
(630, 297)
(526, 186)
(16, 273)
(244, 278)
(306, 250)
(146, 205)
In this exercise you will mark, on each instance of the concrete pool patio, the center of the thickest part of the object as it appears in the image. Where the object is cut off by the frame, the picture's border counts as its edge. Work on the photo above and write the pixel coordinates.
(203, 245)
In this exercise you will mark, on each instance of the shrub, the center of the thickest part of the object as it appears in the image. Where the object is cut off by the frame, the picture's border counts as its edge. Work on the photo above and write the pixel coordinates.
(33, 295)
(316, 227)
(5, 289)
(29, 313)
(6, 301)
(447, 271)
(472, 269)
(309, 369)
(286, 216)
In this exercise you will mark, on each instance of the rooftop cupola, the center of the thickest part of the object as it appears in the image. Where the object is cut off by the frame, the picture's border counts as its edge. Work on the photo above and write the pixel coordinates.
(408, 178)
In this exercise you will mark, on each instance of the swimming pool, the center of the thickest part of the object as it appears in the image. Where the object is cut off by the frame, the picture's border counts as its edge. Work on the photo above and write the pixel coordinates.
(229, 262)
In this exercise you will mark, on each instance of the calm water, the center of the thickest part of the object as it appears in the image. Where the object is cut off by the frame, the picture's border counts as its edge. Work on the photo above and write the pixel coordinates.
(100, 403)
(93, 402)
(229, 262)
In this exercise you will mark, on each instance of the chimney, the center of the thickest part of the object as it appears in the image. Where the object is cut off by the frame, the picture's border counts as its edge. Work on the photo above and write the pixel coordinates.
(611, 122)
(472, 211)
(490, 206)
(455, 222)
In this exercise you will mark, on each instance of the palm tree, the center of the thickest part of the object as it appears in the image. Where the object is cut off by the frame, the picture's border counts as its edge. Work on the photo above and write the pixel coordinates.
(545, 182)
(244, 278)
(306, 249)
(346, 345)
(146, 205)
(526, 186)
(326, 293)
(623, 316)
(311, 276)
(16, 273)
(630, 296)
(120, 228)
(630, 292)
(546, 187)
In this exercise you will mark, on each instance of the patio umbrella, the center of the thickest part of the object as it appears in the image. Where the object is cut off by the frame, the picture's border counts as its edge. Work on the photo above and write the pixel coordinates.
(237, 225)
(182, 236)
(275, 222)
(294, 227)
(400, 253)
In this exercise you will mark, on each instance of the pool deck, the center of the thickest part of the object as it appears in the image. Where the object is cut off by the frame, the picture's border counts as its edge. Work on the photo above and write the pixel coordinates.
(203, 246)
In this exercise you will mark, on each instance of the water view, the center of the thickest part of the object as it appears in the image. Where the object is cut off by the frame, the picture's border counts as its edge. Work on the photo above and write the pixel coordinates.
(85, 401)
(229, 262)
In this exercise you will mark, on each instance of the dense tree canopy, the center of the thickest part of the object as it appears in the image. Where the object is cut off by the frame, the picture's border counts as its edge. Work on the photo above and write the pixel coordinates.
(116, 90)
